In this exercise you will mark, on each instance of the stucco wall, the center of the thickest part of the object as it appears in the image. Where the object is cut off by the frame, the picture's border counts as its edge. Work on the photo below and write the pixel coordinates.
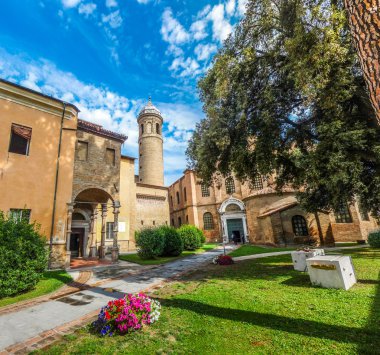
(29, 181)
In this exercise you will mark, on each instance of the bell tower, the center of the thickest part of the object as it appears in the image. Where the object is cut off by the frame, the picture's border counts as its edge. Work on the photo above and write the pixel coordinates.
(151, 159)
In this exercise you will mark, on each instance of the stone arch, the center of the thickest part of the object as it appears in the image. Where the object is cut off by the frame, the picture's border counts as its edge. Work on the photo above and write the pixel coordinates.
(93, 194)
(231, 201)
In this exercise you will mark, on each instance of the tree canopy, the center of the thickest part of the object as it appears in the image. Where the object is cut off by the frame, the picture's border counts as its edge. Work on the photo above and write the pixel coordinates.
(285, 97)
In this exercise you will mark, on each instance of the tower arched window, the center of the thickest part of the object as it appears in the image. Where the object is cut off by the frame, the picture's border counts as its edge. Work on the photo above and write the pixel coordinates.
(178, 200)
(158, 128)
(208, 221)
(142, 129)
(179, 222)
(299, 226)
(184, 194)
(230, 185)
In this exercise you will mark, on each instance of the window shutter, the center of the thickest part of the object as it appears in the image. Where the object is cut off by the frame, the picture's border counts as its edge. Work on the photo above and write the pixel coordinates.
(22, 131)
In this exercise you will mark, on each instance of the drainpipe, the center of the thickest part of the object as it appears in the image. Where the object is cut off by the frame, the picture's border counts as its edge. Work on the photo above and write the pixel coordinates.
(56, 187)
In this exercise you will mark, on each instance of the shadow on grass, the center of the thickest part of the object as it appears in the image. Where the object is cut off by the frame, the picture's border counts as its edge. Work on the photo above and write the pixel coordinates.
(310, 328)
(370, 343)
(59, 275)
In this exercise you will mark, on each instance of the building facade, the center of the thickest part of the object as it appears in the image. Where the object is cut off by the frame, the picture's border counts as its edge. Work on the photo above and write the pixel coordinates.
(256, 213)
(69, 176)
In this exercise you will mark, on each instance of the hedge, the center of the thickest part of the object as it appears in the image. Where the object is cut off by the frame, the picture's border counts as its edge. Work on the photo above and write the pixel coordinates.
(23, 256)
(150, 243)
(191, 237)
(374, 239)
(173, 245)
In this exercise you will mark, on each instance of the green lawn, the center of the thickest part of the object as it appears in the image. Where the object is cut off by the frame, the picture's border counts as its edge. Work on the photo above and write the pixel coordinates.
(257, 306)
(51, 281)
(134, 258)
(349, 244)
(255, 249)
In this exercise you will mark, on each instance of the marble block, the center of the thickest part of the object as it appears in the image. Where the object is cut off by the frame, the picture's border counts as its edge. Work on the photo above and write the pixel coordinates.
(299, 258)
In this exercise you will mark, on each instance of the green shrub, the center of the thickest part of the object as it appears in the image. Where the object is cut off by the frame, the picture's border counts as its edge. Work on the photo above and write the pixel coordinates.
(190, 236)
(23, 256)
(201, 236)
(374, 239)
(150, 243)
(173, 242)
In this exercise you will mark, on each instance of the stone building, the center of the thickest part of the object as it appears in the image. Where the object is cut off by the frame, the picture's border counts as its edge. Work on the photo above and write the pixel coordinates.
(258, 214)
(70, 177)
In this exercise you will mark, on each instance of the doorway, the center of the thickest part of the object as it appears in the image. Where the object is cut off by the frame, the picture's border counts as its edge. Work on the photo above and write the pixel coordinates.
(77, 242)
(235, 229)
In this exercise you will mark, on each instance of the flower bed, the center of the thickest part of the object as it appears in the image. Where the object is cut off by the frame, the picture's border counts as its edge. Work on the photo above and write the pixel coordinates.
(127, 314)
(223, 260)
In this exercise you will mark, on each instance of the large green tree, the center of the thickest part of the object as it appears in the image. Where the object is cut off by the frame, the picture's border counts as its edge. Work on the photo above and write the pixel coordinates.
(286, 97)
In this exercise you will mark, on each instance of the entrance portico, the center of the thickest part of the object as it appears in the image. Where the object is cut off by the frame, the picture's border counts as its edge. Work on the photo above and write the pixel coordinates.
(233, 220)
(90, 206)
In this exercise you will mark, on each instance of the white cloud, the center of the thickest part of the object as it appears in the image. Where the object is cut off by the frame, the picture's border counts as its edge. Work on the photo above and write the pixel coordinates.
(87, 9)
(111, 3)
(241, 8)
(143, 1)
(114, 19)
(230, 7)
(174, 50)
(204, 51)
(198, 29)
(182, 67)
(70, 3)
(103, 106)
(172, 31)
(221, 28)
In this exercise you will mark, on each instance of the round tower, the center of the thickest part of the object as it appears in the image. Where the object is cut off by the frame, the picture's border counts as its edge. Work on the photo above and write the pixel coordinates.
(151, 159)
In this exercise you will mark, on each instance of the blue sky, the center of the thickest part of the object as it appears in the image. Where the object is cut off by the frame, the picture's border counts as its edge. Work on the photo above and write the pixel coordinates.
(108, 56)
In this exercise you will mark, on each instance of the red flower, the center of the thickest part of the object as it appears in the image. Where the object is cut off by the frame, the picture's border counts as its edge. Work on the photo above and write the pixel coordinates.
(107, 315)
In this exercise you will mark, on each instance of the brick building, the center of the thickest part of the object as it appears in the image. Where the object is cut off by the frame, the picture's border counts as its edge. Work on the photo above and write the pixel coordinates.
(258, 214)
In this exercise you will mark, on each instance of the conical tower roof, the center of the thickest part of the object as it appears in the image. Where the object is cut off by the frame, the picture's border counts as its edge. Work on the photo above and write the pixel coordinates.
(149, 108)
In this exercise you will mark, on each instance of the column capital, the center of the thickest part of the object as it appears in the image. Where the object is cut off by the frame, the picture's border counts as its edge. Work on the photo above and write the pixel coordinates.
(70, 207)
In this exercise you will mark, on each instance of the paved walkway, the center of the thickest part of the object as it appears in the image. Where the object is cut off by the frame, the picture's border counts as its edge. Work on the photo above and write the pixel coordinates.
(23, 329)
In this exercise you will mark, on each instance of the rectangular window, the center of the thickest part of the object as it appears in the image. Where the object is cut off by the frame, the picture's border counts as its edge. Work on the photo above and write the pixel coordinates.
(110, 156)
(257, 182)
(342, 215)
(82, 151)
(20, 139)
(205, 190)
(19, 215)
(109, 230)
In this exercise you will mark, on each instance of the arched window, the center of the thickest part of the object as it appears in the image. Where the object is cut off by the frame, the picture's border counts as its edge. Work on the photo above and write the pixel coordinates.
(184, 194)
(187, 219)
(208, 221)
(158, 128)
(177, 197)
(257, 182)
(179, 222)
(142, 129)
(205, 190)
(342, 214)
(171, 200)
(172, 222)
(230, 185)
(299, 226)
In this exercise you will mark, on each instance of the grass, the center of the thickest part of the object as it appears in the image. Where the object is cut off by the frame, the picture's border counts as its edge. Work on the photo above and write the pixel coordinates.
(257, 306)
(255, 249)
(51, 281)
(345, 244)
(134, 258)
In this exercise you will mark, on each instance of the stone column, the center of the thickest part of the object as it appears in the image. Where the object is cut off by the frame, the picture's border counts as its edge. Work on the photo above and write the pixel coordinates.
(102, 249)
(115, 247)
(70, 210)
(93, 231)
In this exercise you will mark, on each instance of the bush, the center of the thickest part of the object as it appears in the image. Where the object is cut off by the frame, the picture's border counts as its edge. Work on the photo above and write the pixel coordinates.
(374, 239)
(150, 243)
(23, 256)
(201, 236)
(173, 245)
(190, 236)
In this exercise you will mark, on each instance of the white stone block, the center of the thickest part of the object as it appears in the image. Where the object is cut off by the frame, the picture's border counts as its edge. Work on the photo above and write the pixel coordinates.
(299, 258)
(331, 271)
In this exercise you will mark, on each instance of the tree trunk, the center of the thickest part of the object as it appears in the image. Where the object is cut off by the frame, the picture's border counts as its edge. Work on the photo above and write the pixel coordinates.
(364, 19)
